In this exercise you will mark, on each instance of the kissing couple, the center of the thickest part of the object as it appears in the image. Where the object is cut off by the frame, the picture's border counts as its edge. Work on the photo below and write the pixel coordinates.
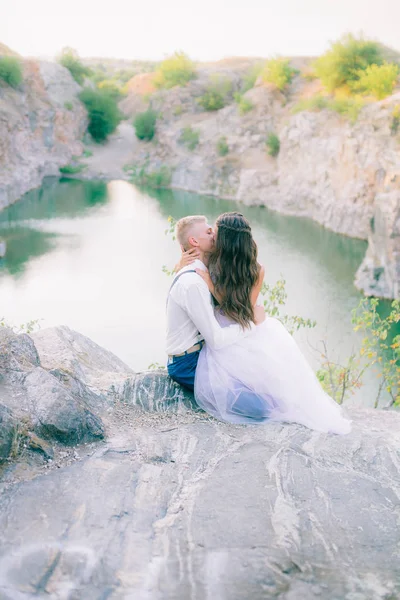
(243, 366)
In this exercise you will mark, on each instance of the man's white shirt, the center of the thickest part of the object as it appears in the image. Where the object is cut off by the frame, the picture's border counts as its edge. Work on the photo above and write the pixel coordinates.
(190, 315)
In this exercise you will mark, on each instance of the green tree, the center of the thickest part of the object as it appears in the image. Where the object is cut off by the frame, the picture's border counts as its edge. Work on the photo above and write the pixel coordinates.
(112, 88)
(178, 69)
(104, 115)
(377, 80)
(11, 70)
(69, 59)
(145, 124)
(342, 64)
(279, 72)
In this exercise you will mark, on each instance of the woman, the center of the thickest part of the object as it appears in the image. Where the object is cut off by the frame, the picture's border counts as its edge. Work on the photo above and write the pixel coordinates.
(264, 376)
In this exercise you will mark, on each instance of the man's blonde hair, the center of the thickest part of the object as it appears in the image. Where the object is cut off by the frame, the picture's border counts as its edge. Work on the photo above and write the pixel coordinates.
(183, 228)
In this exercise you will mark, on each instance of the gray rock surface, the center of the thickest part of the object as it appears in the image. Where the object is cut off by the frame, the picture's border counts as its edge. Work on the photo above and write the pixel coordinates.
(345, 176)
(41, 127)
(61, 384)
(175, 505)
(7, 432)
(181, 506)
(53, 401)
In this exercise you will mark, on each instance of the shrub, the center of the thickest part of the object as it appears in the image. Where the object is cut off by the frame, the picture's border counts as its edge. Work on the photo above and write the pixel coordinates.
(145, 124)
(250, 79)
(104, 115)
(11, 70)
(72, 169)
(212, 100)
(222, 146)
(178, 110)
(377, 80)
(69, 59)
(244, 104)
(178, 69)
(112, 88)
(273, 144)
(189, 137)
(279, 72)
(394, 126)
(349, 107)
(341, 65)
(216, 94)
(68, 106)
(312, 104)
(159, 178)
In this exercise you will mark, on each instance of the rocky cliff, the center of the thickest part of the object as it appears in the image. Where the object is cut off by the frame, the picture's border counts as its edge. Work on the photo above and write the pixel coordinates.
(137, 494)
(343, 175)
(41, 127)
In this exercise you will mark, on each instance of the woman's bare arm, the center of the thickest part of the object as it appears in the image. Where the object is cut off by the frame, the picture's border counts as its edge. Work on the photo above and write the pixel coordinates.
(206, 276)
(255, 292)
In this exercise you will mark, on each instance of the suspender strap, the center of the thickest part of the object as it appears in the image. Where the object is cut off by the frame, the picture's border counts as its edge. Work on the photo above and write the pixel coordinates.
(176, 279)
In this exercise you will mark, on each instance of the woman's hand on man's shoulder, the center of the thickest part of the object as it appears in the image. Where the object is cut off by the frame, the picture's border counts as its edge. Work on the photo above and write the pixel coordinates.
(187, 258)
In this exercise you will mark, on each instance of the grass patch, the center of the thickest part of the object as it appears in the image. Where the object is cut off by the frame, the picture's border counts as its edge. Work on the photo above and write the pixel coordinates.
(222, 146)
(190, 138)
(159, 178)
(394, 125)
(273, 144)
(11, 70)
(349, 107)
(244, 104)
(72, 169)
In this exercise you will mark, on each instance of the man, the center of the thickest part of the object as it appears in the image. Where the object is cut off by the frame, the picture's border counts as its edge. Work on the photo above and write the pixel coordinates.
(190, 313)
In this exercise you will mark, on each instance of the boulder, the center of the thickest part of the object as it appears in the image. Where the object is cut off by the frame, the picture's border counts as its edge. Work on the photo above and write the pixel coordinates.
(192, 508)
(7, 431)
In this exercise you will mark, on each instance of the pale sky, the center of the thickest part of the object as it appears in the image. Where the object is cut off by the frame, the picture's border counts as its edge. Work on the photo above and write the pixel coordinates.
(205, 29)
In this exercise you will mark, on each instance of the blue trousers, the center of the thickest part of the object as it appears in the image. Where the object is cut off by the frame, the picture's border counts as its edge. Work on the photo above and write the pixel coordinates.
(182, 369)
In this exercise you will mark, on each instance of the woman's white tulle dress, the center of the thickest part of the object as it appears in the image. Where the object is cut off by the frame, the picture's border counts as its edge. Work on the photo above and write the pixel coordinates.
(264, 377)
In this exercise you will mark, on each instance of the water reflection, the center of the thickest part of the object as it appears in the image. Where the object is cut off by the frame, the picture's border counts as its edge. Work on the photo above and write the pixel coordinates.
(89, 255)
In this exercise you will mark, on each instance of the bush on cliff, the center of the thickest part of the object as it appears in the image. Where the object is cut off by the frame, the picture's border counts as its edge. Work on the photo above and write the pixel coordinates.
(178, 69)
(222, 146)
(104, 115)
(69, 59)
(145, 124)
(273, 144)
(377, 80)
(342, 64)
(217, 93)
(10, 70)
(158, 178)
(244, 104)
(278, 72)
(190, 137)
(349, 107)
(112, 88)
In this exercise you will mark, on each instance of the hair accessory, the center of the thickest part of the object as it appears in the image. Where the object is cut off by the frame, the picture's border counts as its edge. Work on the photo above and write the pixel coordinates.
(231, 228)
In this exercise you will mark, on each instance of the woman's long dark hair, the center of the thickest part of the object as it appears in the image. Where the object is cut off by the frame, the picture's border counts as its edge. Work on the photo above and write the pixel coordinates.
(234, 267)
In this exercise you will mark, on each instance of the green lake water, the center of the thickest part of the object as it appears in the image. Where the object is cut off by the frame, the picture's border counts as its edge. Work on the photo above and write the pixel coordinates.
(90, 254)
